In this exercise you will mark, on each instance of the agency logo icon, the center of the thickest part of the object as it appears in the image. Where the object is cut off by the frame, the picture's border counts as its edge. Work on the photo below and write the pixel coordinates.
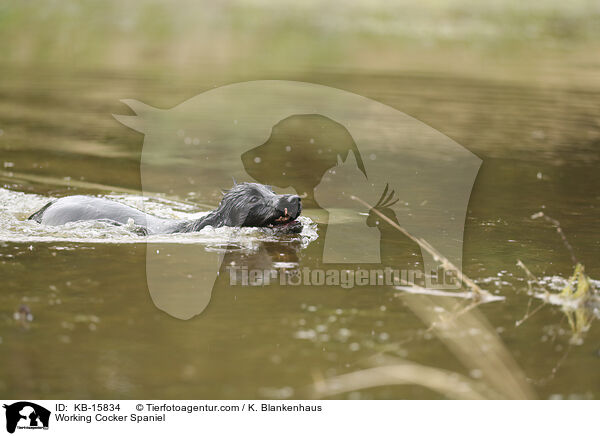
(326, 145)
(26, 415)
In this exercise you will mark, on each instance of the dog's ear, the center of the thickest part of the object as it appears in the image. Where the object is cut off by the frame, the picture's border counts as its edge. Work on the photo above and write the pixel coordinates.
(235, 218)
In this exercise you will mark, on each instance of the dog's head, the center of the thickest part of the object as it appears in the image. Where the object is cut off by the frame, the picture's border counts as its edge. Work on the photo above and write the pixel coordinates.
(256, 205)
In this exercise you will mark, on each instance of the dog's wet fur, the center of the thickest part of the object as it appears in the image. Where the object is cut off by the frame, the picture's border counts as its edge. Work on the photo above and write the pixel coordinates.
(244, 205)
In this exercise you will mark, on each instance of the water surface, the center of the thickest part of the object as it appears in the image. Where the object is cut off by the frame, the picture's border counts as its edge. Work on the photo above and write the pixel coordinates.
(96, 333)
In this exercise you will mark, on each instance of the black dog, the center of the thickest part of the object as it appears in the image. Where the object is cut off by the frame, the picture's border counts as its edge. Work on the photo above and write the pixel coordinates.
(244, 205)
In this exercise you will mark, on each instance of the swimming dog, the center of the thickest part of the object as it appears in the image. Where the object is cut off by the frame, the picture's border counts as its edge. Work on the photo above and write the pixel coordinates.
(244, 205)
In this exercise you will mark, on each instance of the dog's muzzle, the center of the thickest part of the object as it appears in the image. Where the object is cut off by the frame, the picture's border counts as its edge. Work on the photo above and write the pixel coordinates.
(288, 209)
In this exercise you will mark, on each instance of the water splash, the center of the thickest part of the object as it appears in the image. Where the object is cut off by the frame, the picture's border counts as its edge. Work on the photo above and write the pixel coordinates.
(15, 207)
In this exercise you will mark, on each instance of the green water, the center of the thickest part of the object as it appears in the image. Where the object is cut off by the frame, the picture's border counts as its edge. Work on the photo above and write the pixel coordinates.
(97, 334)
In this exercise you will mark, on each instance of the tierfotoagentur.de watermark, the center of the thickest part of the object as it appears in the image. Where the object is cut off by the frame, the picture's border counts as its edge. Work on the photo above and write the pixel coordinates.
(344, 278)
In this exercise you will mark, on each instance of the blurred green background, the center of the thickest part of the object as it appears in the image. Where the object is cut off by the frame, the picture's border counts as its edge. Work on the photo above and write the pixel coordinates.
(258, 35)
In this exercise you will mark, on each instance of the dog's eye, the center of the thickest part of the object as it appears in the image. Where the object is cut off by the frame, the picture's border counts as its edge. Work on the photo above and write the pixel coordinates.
(254, 200)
